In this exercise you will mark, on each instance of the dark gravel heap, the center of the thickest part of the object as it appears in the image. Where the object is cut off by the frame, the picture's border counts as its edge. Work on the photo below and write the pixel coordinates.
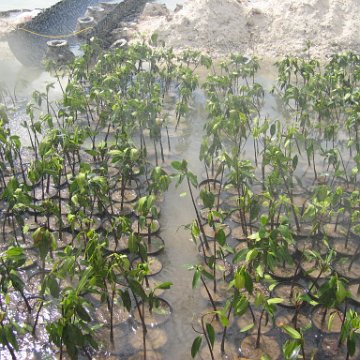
(61, 19)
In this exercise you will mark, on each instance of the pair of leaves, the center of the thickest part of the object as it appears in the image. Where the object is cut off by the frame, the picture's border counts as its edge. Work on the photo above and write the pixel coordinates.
(210, 333)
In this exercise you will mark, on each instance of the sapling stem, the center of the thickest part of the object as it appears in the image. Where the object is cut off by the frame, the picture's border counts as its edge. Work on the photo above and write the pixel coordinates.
(206, 337)
(302, 348)
(348, 233)
(214, 268)
(59, 205)
(141, 313)
(296, 314)
(122, 192)
(37, 316)
(241, 212)
(347, 355)
(161, 149)
(149, 232)
(208, 293)
(112, 314)
(87, 353)
(220, 187)
(343, 322)
(204, 238)
(61, 348)
(324, 316)
(263, 166)
(257, 344)
(291, 200)
(255, 153)
(354, 257)
(202, 245)
(156, 153)
(107, 133)
(316, 280)
(168, 138)
(252, 313)
(22, 168)
(222, 347)
(314, 166)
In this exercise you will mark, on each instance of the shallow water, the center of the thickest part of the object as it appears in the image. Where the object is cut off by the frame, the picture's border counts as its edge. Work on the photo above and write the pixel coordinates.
(180, 251)
(176, 210)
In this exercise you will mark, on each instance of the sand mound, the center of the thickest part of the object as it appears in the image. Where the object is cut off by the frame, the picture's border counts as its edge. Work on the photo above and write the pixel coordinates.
(270, 28)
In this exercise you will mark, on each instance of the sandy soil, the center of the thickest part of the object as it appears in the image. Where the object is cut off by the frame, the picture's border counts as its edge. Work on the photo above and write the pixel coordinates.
(268, 28)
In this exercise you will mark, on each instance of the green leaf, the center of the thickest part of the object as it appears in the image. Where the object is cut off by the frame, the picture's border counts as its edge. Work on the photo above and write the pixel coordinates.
(220, 237)
(272, 129)
(193, 179)
(133, 244)
(14, 252)
(177, 165)
(247, 327)
(164, 285)
(275, 301)
(260, 270)
(16, 281)
(351, 345)
(53, 286)
(251, 255)
(239, 280)
(207, 198)
(239, 256)
(211, 334)
(294, 334)
(223, 319)
(249, 285)
(295, 161)
(196, 346)
(10, 337)
(125, 297)
(331, 320)
(82, 313)
(196, 278)
(341, 292)
(291, 350)
(143, 251)
(137, 289)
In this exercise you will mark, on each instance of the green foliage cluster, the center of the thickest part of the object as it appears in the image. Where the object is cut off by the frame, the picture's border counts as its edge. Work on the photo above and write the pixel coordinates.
(79, 205)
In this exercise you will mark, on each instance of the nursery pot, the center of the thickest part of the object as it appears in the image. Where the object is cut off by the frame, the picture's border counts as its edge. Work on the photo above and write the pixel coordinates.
(211, 185)
(59, 51)
(155, 265)
(320, 317)
(269, 346)
(159, 314)
(84, 25)
(286, 272)
(289, 291)
(96, 12)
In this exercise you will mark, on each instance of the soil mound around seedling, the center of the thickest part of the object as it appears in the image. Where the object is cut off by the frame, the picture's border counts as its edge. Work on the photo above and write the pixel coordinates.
(267, 28)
